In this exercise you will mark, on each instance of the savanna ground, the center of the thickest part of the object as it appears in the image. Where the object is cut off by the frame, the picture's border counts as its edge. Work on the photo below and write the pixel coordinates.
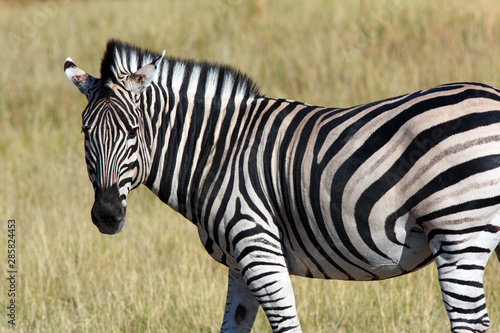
(155, 276)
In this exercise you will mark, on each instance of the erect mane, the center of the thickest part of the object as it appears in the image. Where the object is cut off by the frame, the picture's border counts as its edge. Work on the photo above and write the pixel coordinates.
(120, 58)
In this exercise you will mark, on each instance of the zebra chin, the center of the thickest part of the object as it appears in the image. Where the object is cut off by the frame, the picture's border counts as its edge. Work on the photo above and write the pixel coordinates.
(108, 211)
(108, 225)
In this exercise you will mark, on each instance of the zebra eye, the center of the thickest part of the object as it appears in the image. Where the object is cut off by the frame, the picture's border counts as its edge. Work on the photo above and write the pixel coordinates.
(132, 133)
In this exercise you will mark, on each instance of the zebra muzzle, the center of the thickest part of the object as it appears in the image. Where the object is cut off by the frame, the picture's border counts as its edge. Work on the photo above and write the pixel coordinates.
(108, 211)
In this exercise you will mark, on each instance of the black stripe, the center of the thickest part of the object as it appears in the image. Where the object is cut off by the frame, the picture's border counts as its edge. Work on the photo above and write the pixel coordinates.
(174, 146)
(467, 231)
(261, 264)
(254, 278)
(463, 298)
(466, 311)
(463, 282)
(254, 248)
(445, 179)
(469, 205)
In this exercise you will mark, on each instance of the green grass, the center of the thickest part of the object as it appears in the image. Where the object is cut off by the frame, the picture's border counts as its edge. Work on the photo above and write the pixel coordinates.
(155, 276)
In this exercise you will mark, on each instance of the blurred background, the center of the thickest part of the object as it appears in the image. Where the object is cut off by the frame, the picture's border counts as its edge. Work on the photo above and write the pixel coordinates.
(155, 276)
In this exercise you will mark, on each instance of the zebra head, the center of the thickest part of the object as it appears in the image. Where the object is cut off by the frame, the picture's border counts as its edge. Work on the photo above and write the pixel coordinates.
(117, 139)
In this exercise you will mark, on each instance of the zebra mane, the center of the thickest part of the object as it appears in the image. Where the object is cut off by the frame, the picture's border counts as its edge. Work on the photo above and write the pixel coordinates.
(123, 58)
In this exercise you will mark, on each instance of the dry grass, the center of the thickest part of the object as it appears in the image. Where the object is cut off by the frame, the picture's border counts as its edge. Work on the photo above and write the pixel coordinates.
(155, 276)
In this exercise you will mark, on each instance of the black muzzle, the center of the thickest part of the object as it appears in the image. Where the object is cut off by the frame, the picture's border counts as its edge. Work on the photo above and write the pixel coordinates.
(108, 213)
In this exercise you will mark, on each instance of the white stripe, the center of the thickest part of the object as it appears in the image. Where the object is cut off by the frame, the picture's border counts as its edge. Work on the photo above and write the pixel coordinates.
(240, 90)
(178, 77)
(211, 85)
(193, 81)
(227, 86)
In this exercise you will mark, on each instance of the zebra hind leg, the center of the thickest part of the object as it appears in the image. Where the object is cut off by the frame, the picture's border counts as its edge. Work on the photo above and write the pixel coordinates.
(461, 259)
(241, 305)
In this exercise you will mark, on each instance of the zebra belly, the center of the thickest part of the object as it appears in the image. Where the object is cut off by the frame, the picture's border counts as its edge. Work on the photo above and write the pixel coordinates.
(337, 262)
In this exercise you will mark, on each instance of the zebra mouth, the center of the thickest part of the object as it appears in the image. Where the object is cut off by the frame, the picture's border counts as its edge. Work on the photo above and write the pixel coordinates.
(108, 225)
(108, 212)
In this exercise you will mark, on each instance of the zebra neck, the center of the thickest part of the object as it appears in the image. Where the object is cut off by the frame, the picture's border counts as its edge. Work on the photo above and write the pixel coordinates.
(191, 135)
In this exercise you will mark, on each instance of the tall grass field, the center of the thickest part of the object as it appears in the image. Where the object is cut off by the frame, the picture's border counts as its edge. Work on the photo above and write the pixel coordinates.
(155, 276)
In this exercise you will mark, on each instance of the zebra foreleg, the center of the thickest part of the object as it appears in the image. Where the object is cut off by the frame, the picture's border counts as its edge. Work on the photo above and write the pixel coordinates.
(263, 268)
(460, 262)
(241, 305)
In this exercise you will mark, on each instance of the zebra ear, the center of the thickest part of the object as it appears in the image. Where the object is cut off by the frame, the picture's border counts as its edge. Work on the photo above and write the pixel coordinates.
(138, 82)
(83, 81)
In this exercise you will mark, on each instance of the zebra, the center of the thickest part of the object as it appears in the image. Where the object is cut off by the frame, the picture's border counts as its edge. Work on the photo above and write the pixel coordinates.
(278, 187)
